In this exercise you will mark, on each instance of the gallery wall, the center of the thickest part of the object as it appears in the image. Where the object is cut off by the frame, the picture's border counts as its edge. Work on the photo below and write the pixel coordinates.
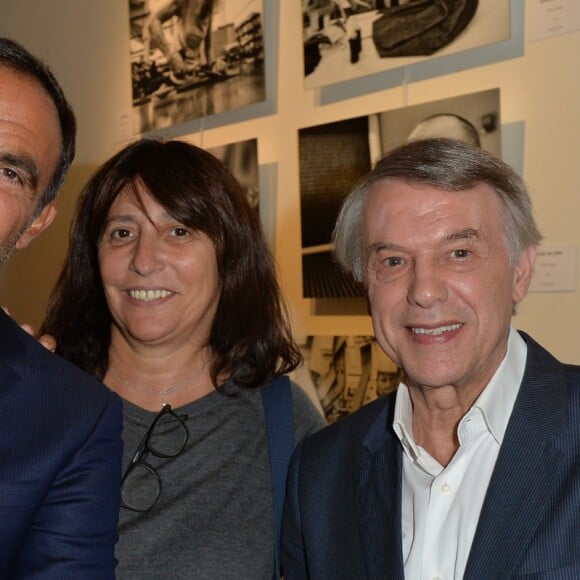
(85, 42)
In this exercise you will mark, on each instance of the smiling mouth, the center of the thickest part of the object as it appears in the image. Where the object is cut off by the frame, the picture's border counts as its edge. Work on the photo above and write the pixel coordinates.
(435, 331)
(148, 295)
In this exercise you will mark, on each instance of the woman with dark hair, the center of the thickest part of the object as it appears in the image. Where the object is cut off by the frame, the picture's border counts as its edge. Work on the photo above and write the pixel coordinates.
(168, 295)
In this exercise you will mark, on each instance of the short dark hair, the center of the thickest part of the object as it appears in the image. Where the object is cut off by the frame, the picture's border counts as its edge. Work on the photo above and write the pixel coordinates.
(447, 164)
(15, 57)
(250, 338)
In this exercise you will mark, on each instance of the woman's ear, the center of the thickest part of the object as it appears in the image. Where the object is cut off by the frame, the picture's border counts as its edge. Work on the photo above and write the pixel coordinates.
(40, 223)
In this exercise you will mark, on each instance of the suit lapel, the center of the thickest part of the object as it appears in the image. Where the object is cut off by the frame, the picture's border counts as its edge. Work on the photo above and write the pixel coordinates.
(10, 343)
(12, 351)
(527, 467)
(378, 497)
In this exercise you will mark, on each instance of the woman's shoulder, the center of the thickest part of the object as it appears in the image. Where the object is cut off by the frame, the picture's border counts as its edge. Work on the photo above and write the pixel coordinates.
(308, 418)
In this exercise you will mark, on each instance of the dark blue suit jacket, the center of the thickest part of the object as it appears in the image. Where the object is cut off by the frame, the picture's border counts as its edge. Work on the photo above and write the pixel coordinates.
(60, 465)
(342, 517)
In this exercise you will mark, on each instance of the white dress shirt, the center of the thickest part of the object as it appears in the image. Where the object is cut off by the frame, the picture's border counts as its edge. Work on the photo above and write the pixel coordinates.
(441, 505)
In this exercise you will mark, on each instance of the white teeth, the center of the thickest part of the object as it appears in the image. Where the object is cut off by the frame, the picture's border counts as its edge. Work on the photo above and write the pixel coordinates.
(435, 331)
(148, 295)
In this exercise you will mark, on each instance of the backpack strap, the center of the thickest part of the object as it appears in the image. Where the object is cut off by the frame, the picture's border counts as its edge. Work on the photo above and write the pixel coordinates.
(279, 415)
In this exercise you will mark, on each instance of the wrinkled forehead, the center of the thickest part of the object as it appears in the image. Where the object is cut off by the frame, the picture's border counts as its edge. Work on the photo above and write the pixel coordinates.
(392, 200)
(391, 189)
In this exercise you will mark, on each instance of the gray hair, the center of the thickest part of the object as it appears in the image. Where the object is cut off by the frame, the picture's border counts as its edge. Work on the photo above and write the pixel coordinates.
(446, 164)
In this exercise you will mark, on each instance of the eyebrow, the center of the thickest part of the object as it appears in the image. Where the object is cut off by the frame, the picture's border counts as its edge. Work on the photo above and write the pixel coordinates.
(24, 163)
(467, 233)
(120, 218)
(377, 246)
(133, 219)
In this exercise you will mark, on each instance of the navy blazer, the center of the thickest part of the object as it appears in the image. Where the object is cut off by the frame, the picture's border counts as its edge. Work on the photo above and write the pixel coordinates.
(60, 465)
(342, 518)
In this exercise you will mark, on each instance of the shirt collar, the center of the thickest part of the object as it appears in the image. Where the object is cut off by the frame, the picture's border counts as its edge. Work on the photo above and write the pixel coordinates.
(403, 421)
(495, 402)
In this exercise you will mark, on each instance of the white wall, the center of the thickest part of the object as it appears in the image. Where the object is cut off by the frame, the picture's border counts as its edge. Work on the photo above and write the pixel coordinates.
(85, 42)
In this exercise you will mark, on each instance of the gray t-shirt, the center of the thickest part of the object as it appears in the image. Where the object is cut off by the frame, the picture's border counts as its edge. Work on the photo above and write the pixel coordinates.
(214, 518)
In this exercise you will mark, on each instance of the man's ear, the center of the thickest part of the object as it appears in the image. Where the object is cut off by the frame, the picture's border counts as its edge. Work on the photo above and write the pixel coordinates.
(44, 219)
(523, 274)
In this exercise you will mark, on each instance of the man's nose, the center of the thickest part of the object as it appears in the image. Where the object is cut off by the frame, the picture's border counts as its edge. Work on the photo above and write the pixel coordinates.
(428, 284)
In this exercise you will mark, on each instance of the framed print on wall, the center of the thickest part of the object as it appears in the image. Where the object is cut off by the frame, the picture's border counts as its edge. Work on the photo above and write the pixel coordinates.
(241, 158)
(348, 39)
(334, 156)
(343, 373)
(194, 58)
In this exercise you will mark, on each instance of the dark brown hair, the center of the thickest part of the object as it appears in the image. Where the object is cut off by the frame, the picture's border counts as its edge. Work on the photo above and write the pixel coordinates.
(250, 337)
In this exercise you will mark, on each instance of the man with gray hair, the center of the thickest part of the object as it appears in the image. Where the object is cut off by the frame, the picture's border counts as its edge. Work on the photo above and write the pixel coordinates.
(471, 468)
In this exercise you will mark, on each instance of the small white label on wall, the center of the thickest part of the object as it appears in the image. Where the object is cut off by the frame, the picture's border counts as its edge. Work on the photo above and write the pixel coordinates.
(547, 18)
(555, 269)
(123, 127)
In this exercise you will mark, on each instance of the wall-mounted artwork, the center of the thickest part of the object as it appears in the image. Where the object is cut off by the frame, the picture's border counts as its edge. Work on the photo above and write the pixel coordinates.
(334, 156)
(194, 58)
(342, 373)
(241, 158)
(346, 39)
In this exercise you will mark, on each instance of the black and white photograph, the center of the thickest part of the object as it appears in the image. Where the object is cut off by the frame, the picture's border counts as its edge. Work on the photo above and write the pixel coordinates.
(346, 39)
(241, 158)
(194, 58)
(474, 118)
(343, 373)
(334, 156)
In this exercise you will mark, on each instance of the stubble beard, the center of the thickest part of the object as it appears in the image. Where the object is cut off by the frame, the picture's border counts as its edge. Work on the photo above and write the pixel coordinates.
(7, 246)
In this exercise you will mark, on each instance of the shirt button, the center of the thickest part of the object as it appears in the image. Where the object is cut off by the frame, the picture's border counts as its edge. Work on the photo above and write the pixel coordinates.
(445, 488)
(437, 578)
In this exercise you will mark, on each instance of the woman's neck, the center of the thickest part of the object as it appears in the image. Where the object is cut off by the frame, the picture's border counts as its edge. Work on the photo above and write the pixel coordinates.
(150, 377)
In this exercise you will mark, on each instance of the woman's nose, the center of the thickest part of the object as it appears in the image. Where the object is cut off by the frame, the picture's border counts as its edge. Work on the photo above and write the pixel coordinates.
(147, 256)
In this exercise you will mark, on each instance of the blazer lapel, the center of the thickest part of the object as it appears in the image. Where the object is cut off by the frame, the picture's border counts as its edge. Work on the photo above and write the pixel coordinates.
(378, 497)
(12, 353)
(10, 344)
(524, 475)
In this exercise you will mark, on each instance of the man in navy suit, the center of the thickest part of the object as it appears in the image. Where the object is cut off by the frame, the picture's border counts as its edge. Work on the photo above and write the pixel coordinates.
(60, 444)
(471, 469)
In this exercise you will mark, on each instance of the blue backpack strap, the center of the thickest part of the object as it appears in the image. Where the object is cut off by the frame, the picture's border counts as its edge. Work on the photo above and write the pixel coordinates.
(279, 414)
